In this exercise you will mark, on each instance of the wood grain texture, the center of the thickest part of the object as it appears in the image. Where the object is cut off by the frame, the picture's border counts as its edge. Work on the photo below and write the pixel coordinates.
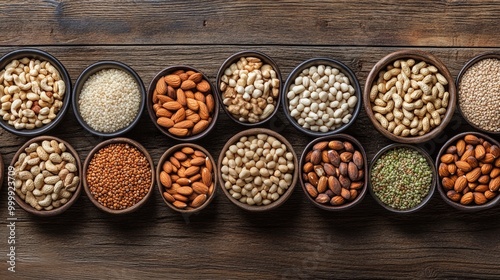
(296, 240)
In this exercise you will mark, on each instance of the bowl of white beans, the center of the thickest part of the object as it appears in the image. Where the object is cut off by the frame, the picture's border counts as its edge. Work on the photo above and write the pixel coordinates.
(322, 96)
(108, 98)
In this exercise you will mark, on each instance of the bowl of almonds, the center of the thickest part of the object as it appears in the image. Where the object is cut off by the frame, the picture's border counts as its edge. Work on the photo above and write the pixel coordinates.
(469, 171)
(186, 178)
(181, 103)
(333, 172)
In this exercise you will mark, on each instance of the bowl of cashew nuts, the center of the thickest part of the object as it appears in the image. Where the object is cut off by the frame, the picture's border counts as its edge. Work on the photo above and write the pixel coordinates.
(34, 92)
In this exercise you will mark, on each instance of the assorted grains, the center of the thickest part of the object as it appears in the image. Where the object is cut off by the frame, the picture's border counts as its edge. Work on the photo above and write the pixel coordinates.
(321, 98)
(119, 176)
(31, 93)
(109, 100)
(250, 89)
(479, 94)
(470, 170)
(401, 178)
(257, 169)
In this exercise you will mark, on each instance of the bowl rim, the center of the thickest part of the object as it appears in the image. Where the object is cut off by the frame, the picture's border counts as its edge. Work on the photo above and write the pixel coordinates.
(432, 187)
(362, 193)
(90, 156)
(43, 55)
(76, 194)
(89, 71)
(149, 103)
(285, 196)
(328, 62)
(464, 70)
(420, 55)
(159, 169)
(469, 208)
(235, 57)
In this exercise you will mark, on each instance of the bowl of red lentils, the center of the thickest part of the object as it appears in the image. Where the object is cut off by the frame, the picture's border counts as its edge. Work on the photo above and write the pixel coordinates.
(186, 178)
(478, 87)
(118, 176)
(108, 98)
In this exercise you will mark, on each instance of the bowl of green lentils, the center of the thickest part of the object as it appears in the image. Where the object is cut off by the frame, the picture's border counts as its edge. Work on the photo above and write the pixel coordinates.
(402, 178)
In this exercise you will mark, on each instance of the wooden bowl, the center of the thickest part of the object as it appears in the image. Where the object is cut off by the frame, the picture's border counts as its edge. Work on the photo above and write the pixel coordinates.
(236, 57)
(118, 140)
(42, 56)
(432, 186)
(418, 56)
(468, 208)
(315, 62)
(93, 69)
(357, 145)
(466, 67)
(47, 213)
(154, 118)
(170, 152)
(284, 197)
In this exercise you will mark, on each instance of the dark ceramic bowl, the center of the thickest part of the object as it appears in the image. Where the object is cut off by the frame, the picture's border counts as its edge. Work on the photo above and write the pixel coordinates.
(56, 211)
(235, 58)
(418, 56)
(471, 207)
(316, 62)
(362, 191)
(466, 67)
(431, 188)
(42, 56)
(119, 140)
(211, 189)
(93, 69)
(151, 89)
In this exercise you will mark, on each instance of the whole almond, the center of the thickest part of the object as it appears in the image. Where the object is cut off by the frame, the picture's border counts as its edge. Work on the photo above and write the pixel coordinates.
(460, 184)
(203, 111)
(180, 132)
(199, 96)
(179, 204)
(186, 191)
(192, 104)
(194, 118)
(452, 168)
(322, 198)
(471, 139)
(180, 156)
(172, 80)
(463, 165)
(479, 152)
(467, 198)
(494, 184)
(473, 175)
(184, 124)
(161, 87)
(479, 198)
(495, 172)
(488, 158)
(311, 190)
(447, 158)
(489, 194)
(453, 195)
(164, 98)
(200, 188)
(200, 126)
(203, 86)
(196, 77)
(322, 184)
(206, 176)
(179, 116)
(191, 171)
(165, 179)
(165, 122)
(188, 84)
(168, 197)
(460, 147)
(313, 178)
(481, 188)
(486, 169)
(199, 200)
(443, 170)
(167, 167)
(162, 112)
(336, 145)
(324, 156)
(357, 185)
(337, 200)
(209, 100)
(308, 167)
(181, 97)
(495, 151)
(467, 153)
(172, 105)
(320, 145)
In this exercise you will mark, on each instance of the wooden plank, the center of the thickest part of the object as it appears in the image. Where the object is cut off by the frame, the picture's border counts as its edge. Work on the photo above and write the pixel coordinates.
(448, 23)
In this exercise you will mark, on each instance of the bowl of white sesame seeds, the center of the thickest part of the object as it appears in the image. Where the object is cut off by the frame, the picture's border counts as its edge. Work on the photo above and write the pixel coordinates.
(108, 98)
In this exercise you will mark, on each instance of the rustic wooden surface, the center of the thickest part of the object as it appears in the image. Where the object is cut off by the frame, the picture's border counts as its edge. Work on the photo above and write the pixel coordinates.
(296, 240)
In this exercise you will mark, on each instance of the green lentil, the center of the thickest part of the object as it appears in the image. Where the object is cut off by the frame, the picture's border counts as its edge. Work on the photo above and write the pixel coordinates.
(401, 178)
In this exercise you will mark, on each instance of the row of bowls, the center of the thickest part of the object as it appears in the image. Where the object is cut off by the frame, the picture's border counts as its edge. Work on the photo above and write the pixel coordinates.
(146, 99)
(217, 178)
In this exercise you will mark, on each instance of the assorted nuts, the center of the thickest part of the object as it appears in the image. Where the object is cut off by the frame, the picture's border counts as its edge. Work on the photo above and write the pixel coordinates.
(469, 170)
(333, 172)
(47, 175)
(409, 98)
(321, 98)
(183, 103)
(257, 170)
(31, 93)
(187, 178)
(250, 89)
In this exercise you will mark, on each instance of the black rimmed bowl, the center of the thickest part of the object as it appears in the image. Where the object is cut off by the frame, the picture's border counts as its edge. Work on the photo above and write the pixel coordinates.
(446, 187)
(265, 59)
(41, 55)
(471, 117)
(290, 83)
(395, 198)
(154, 99)
(90, 71)
(59, 210)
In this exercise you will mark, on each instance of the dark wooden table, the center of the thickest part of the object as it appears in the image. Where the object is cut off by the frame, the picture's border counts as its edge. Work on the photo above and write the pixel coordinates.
(297, 240)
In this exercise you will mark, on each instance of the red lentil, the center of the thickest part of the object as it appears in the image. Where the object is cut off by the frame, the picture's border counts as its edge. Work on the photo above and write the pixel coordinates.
(119, 176)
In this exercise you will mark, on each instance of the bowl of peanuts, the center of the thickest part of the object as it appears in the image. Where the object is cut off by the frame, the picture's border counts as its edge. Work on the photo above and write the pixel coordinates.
(249, 85)
(257, 169)
(409, 96)
(468, 168)
(181, 103)
(47, 173)
(118, 176)
(322, 97)
(186, 178)
(35, 92)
